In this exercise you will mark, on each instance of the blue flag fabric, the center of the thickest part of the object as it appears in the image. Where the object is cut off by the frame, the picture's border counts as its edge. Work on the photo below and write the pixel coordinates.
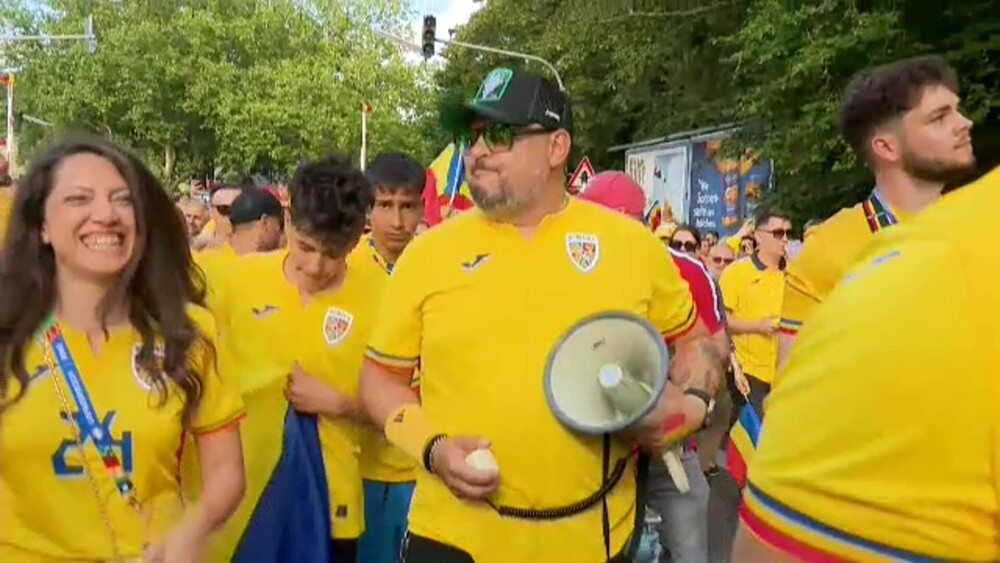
(291, 520)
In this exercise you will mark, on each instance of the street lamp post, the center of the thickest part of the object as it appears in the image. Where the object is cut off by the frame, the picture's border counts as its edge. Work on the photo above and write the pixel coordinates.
(8, 78)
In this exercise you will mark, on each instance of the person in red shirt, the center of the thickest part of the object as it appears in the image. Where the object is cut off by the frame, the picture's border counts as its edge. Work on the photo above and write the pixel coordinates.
(684, 526)
(617, 191)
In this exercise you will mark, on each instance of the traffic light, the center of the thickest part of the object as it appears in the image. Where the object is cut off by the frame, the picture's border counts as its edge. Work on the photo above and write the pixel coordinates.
(430, 33)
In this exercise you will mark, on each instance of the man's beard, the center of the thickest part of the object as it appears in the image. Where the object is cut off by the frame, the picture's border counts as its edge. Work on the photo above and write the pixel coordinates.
(500, 205)
(931, 169)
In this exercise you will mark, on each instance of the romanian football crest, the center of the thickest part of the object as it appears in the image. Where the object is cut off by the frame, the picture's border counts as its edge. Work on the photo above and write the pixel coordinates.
(583, 250)
(141, 376)
(336, 325)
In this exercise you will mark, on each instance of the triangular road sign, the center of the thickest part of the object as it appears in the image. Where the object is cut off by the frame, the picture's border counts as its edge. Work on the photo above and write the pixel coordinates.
(581, 177)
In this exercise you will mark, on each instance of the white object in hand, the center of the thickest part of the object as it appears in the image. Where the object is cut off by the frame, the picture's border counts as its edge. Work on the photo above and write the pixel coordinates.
(482, 460)
(676, 469)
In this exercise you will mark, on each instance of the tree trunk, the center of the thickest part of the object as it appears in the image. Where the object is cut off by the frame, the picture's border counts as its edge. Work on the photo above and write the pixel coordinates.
(169, 158)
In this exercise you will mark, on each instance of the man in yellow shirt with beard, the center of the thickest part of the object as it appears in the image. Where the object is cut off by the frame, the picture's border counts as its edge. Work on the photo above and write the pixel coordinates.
(903, 120)
(296, 324)
(388, 473)
(882, 443)
(478, 302)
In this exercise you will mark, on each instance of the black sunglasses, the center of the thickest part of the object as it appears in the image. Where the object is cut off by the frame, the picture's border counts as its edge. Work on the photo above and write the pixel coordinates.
(779, 233)
(721, 260)
(498, 136)
(686, 246)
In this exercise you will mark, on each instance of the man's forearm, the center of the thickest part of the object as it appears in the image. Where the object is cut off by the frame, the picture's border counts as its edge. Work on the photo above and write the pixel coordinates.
(742, 326)
(785, 343)
(698, 362)
(383, 392)
(348, 408)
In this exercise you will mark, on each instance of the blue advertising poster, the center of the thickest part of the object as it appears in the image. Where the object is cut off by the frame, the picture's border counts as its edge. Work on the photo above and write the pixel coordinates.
(724, 190)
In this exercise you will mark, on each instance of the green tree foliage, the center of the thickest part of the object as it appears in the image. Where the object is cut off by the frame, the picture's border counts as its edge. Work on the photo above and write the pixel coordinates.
(638, 70)
(238, 85)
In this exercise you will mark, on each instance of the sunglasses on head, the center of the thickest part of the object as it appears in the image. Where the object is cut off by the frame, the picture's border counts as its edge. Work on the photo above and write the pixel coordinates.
(498, 136)
(222, 210)
(686, 245)
(779, 233)
(721, 260)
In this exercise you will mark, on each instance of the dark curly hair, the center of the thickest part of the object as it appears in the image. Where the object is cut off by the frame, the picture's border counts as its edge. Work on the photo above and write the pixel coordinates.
(330, 199)
(878, 95)
(393, 171)
(158, 282)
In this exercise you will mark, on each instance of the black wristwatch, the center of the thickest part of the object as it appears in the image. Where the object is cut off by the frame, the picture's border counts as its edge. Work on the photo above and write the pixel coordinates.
(709, 403)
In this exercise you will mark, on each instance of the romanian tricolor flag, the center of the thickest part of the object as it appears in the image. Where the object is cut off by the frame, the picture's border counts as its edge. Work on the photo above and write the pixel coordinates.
(446, 190)
(285, 512)
(742, 443)
(654, 214)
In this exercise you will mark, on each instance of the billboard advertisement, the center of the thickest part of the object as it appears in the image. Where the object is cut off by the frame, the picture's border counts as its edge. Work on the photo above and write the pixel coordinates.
(663, 174)
(724, 189)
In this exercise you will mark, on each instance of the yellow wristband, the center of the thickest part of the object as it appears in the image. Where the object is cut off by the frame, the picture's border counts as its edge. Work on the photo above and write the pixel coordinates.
(409, 429)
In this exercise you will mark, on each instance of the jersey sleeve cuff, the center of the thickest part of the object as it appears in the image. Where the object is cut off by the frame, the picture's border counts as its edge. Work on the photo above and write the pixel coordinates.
(808, 539)
(790, 327)
(228, 422)
(393, 363)
(682, 329)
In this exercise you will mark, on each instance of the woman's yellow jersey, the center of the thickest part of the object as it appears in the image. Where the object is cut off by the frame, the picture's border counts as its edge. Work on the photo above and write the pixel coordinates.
(48, 507)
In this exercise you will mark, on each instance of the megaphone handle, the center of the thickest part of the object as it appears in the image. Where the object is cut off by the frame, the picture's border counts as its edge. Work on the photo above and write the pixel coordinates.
(676, 469)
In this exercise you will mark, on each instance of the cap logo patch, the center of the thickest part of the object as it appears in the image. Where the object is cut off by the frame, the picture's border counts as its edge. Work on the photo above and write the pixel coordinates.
(494, 85)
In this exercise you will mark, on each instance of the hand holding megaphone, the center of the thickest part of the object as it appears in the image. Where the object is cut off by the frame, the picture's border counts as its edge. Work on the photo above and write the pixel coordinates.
(463, 464)
(674, 417)
(658, 431)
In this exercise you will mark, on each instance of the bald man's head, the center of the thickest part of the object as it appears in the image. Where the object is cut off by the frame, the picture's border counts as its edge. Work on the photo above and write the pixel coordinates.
(719, 256)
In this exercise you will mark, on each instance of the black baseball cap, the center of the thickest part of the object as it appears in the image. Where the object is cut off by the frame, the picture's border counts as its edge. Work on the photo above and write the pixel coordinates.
(513, 97)
(253, 204)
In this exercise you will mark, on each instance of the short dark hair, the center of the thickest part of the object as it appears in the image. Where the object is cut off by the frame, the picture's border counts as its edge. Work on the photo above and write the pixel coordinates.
(881, 94)
(396, 171)
(765, 214)
(689, 229)
(712, 232)
(330, 199)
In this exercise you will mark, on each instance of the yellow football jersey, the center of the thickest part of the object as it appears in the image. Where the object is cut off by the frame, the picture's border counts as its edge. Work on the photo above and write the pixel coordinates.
(750, 291)
(480, 307)
(827, 253)
(269, 330)
(212, 262)
(48, 509)
(380, 460)
(882, 442)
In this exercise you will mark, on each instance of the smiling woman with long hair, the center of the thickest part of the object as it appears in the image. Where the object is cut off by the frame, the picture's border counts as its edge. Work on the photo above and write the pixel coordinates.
(107, 361)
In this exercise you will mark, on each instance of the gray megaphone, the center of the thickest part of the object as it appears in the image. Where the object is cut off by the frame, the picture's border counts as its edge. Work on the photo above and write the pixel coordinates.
(605, 374)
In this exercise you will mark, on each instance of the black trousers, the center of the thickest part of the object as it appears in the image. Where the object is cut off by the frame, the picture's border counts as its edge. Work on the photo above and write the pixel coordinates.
(424, 550)
(758, 392)
(343, 551)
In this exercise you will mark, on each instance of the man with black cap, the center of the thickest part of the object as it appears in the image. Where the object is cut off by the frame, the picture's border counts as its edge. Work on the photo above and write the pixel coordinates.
(258, 223)
(478, 302)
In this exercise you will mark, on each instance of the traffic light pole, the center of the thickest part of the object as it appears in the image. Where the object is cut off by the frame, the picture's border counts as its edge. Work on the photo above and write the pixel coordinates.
(485, 49)
(472, 46)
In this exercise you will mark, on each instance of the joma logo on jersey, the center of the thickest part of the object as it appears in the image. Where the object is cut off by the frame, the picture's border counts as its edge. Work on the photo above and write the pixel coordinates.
(67, 450)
